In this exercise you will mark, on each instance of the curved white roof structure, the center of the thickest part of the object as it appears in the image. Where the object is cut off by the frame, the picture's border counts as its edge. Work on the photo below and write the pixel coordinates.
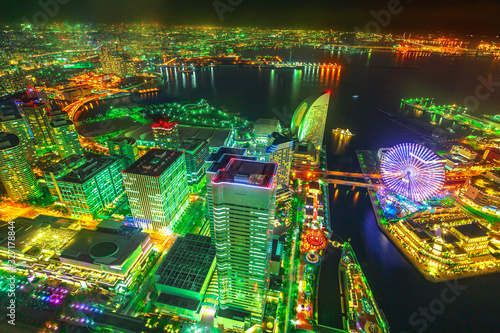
(308, 122)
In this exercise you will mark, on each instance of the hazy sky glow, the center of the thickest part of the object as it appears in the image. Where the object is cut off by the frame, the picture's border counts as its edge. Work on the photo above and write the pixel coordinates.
(448, 15)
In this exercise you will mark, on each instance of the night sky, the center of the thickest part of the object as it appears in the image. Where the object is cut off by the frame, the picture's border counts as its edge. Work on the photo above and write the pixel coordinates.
(480, 16)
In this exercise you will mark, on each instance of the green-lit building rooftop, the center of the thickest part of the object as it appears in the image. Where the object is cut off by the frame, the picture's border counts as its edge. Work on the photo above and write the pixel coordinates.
(183, 276)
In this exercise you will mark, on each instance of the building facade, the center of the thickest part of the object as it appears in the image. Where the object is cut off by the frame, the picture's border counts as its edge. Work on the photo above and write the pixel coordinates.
(15, 173)
(492, 155)
(483, 191)
(196, 151)
(35, 114)
(16, 124)
(85, 185)
(214, 163)
(59, 170)
(309, 119)
(281, 152)
(166, 135)
(473, 238)
(464, 151)
(65, 137)
(126, 148)
(157, 190)
(243, 207)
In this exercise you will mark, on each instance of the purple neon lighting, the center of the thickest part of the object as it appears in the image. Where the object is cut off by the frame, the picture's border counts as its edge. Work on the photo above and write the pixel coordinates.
(412, 171)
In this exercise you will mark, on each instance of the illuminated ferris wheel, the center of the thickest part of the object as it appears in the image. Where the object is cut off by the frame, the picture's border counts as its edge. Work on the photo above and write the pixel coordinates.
(412, 171)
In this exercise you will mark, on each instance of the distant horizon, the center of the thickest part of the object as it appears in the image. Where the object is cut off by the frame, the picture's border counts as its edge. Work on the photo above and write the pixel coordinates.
(455, 33)
(450, 16)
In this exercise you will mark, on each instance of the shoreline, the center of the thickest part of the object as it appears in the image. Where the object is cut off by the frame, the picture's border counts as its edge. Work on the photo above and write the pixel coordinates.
(326, 209)
(379, 315)
(442, 278)
(403, 251)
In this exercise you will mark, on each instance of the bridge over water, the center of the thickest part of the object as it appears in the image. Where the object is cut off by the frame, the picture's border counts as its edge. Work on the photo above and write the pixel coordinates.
(370, 180)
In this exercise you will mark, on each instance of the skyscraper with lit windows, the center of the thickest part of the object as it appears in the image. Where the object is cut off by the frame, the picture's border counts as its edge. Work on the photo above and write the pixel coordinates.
(65, 137)
(213, 164)
(85, 185)
(196, 151)
(36, 116)
(309, 119)
(166, 134)
(157, 189)
(281, 152)
(15, 124)
(243, 207)
(124, 147)
(15, 173)
(118, 64)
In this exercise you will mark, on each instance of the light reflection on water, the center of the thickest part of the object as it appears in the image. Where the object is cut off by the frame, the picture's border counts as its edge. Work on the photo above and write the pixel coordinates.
(340, 143)
(398, 288)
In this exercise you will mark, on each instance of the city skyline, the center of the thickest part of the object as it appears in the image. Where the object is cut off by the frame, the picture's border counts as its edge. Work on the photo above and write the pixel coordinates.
(228, 177)
(426, 15)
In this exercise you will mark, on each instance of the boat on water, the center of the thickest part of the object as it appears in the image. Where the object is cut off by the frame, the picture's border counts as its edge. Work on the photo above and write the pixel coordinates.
(342, 131)
(117, 95)
(289, 66)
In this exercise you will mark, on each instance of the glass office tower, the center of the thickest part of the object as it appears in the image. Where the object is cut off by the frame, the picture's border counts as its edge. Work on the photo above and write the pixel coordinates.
(243, 207)
(15, 173)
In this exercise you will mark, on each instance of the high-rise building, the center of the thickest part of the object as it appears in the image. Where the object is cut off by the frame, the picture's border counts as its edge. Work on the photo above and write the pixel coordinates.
(36, 116)
(15, 172)
(85, 184)
(157, 189)
(281, 152)
(243, 205)
(57, 171)
(166, 134)
(124, 147)
(53, 115)
(65, 137)
(214, 163)
(196, 153)
(263, 128)
(309, 119)
(15, 124)
(306, 155)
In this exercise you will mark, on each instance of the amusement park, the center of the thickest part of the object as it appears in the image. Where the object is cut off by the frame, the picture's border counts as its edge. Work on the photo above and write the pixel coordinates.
(422, 208)
(417, 203)
(419, 209)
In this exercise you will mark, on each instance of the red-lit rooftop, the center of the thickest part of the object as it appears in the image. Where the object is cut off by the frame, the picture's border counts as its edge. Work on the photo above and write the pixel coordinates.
(163, 124)
(31, 102)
